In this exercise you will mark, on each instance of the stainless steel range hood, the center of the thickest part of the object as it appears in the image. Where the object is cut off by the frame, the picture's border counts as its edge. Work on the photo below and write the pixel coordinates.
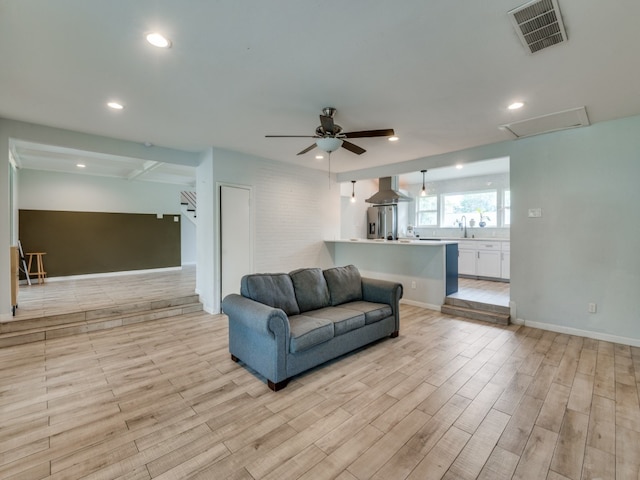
(388, 192)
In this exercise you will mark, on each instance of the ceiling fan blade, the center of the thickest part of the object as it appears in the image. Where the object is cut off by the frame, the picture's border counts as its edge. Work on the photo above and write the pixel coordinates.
(309, 148)
(370, 133)
(291, 136)
(353, 148)
(327, 123)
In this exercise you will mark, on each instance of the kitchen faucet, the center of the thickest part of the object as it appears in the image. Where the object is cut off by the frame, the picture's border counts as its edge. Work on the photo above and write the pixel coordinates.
(465, 226)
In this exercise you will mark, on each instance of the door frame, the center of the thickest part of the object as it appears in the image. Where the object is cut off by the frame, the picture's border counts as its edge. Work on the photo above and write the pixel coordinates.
(218, 234)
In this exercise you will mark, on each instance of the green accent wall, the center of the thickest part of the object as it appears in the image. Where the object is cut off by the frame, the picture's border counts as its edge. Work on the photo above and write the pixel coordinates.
(78, 243)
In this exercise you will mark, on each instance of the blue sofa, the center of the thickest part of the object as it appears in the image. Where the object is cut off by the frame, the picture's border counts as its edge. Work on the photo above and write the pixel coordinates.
(283, 324)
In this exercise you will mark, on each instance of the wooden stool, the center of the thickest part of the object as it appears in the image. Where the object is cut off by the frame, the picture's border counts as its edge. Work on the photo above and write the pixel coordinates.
(39, 265)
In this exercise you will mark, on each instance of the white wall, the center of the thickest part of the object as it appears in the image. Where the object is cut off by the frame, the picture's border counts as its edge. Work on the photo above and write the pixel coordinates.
(353, 216)
(11, 129)
(187, 241)
(584, 247)
(296, 209)
(40, 190)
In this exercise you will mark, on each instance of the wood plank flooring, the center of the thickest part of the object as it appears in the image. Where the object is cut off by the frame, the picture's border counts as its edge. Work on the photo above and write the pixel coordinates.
(449, 398)
(61, 296)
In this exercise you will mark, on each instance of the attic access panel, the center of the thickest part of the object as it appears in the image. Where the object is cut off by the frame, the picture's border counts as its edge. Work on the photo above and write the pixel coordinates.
(573, 118)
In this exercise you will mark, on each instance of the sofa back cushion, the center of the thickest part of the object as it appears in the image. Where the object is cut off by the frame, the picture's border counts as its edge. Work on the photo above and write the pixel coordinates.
(345, 284)
(311, 289)
(273, 289)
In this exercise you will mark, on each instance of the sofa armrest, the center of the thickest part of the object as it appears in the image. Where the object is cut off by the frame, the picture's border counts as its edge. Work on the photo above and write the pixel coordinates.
(381, 291)
(256, 316)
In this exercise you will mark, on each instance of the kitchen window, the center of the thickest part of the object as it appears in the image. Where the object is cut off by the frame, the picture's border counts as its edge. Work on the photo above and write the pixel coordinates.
(477, 206)
(427, 211)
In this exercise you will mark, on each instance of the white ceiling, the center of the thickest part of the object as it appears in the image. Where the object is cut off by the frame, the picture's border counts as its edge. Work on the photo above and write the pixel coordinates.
(51, 158)
(440, 73)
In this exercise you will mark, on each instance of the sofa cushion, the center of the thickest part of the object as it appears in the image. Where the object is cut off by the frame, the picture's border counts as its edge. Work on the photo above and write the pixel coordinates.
(373, 312)
(345, 284)
(273, 289)
(307, 332)
(344, 320)
(311, 288)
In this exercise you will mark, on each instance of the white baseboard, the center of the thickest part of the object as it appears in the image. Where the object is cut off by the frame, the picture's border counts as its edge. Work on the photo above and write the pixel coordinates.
(413, 303)
(105, 275)
(634, 342)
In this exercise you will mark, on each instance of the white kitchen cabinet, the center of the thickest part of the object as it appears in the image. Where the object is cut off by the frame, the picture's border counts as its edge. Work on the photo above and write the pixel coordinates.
(466, 261)
(467, 253)
(488, 263)
(481, 258)
(505, 271)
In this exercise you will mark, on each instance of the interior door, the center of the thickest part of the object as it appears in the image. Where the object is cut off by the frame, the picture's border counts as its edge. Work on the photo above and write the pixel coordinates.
(236, 256)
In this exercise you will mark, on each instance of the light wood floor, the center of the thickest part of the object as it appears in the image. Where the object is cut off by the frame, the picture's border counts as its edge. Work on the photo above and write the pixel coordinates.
(449, 398)
(61, 295)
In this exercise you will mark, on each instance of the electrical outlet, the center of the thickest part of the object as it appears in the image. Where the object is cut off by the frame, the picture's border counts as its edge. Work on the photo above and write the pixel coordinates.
(593, 308)
(413, 285)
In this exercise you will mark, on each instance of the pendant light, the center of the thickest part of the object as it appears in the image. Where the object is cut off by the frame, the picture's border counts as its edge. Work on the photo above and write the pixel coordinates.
(423, 192)
(353, 191)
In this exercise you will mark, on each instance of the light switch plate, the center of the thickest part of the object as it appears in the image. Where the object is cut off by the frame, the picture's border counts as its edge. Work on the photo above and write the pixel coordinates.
(535, 212)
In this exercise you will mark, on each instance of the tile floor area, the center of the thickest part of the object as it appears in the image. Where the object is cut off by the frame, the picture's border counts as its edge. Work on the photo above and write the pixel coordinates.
(486, 291)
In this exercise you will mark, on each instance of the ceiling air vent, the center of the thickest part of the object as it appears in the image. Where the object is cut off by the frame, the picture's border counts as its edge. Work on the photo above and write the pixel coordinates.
(538, 24)
(574, 118)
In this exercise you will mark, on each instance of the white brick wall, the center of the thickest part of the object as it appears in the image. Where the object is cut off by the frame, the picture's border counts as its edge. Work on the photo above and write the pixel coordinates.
(296, 209)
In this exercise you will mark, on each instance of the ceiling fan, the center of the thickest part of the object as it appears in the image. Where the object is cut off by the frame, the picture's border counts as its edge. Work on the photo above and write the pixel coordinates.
(330, 136)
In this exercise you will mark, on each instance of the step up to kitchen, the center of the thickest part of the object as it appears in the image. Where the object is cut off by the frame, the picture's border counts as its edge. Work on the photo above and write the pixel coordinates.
(476, 310)
(20, 331)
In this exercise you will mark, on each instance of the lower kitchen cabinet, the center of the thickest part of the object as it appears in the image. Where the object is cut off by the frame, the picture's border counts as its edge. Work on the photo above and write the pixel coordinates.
(488, 264)
(466, 261)
(506, 261)
(483, 259)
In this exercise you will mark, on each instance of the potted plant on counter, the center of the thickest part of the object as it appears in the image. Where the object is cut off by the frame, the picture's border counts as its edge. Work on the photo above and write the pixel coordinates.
(483, 217)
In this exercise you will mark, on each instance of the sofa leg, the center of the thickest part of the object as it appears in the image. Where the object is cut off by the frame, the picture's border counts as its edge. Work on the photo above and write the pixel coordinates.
(395, 334)
(234, 358)
(277, 386)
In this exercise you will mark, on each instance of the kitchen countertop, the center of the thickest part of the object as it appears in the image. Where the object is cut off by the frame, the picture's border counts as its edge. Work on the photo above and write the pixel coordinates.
(417, 241)
(411, 242)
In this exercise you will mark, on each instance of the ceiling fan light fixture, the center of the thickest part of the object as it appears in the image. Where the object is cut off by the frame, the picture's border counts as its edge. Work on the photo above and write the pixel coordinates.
(329, 144)
(394, 138)
(423, 192)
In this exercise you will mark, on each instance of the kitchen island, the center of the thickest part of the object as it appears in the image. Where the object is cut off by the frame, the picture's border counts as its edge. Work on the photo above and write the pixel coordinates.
(427, 270)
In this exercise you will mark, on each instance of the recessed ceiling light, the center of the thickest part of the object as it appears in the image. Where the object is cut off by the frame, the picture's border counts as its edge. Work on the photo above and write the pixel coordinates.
(319, 157)
(158, 40)
(80, 165)
(115, 105)
(515, 106)
(394, 138)
(459, 167)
